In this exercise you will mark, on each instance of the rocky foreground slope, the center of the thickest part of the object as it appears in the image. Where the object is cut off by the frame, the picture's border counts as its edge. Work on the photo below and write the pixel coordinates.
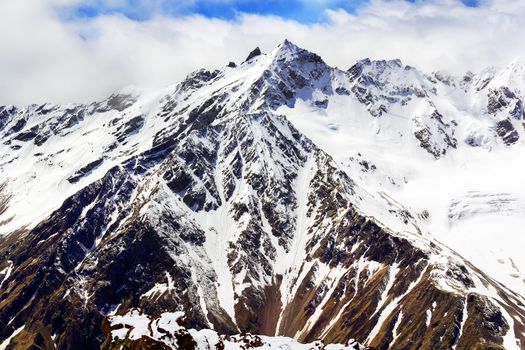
(207, 199)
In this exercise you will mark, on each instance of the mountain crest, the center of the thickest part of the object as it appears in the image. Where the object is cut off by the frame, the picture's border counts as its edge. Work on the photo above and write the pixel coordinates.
(289, 52)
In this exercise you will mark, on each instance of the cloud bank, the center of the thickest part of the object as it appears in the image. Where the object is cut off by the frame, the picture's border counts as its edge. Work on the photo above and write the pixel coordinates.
(45, 57)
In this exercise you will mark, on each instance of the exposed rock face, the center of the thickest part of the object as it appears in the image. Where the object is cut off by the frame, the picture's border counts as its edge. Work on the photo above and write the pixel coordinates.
(256, 52)
(215, 205)
(506, 131)
(503, 98)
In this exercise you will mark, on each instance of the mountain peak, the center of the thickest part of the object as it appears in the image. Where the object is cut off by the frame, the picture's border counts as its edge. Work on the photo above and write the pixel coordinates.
(288, 51)
(288, 45)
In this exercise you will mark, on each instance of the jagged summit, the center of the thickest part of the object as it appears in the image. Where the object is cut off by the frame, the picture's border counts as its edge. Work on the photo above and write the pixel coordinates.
(287, 48)
(284, 52)
(256, 52)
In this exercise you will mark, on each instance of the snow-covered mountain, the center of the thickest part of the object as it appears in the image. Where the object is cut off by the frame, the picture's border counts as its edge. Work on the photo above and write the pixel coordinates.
(279, 197)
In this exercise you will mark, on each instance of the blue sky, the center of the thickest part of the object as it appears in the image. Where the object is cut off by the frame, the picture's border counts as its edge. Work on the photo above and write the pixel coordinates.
(303, 11)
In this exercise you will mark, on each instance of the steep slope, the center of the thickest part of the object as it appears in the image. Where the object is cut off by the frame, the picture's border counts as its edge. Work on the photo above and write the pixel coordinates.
(472, 192)
(203, 198)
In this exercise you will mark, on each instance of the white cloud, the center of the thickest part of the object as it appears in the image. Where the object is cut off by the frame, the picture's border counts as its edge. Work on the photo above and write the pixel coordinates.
(44, 58)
